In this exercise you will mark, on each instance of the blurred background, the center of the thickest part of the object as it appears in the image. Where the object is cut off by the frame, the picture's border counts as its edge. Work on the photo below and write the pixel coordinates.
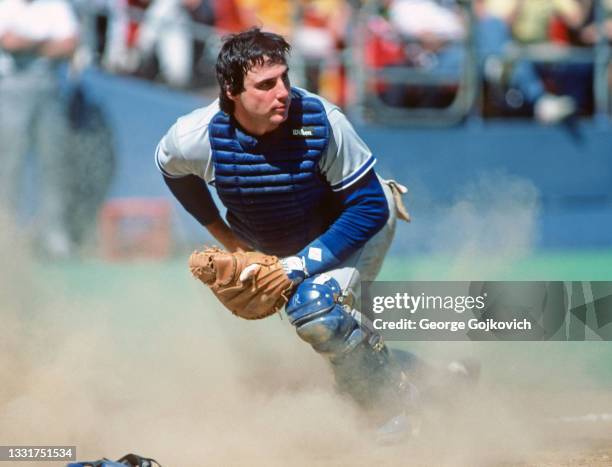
(495, 113)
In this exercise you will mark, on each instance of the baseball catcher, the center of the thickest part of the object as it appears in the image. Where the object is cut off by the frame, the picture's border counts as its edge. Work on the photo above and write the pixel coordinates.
(307, 216)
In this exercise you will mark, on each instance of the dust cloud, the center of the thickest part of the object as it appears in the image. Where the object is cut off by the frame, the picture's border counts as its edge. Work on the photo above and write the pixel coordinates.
(143, 367)
(491, 223)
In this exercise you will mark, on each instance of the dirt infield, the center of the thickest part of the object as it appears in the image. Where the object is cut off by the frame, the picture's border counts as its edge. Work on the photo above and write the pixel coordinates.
(117, 359)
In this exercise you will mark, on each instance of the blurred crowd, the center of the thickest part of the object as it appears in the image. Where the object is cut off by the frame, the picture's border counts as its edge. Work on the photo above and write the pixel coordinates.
(514, 44)
(532, 57)
(43, 113)
(176, 41)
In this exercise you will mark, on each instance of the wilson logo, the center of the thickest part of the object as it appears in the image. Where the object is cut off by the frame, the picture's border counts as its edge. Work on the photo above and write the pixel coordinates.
(302, 132)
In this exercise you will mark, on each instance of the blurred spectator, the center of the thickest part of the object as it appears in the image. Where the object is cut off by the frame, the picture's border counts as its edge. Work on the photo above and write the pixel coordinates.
(227, 16)
(587, 33)
(427, 21)
(166, 33)
(221, 17)
(275, 16)
(90, 152)
(531, 19)
(550, 21)
(432, 33)
(431, 29)
(35, 36)
(384, 46)
(94, 27)
(119, 54)
(526, 86)
(151, 37)
(318, 39)
(147, 34)
(222, 14)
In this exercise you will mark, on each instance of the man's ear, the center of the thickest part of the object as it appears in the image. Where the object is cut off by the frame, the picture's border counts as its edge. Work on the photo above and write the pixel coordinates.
(229, 95)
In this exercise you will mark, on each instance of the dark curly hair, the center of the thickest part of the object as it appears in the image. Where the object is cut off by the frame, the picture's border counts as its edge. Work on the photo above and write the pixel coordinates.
(240, 53)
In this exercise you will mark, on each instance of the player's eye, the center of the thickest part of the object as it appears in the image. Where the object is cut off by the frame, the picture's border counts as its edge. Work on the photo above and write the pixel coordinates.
(267, 84)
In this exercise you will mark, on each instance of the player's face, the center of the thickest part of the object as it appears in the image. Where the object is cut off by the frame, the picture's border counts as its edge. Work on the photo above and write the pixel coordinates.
(264, 103)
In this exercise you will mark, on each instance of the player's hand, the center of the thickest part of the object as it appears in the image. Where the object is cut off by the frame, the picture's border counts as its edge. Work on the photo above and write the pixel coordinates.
(295, 268)
(292, 265)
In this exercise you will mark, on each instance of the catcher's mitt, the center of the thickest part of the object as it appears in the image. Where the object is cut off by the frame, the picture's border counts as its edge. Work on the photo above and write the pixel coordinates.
(252, 285)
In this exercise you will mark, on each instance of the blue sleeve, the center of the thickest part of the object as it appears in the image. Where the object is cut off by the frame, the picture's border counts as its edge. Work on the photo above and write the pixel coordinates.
(193, 194)
(364, 212)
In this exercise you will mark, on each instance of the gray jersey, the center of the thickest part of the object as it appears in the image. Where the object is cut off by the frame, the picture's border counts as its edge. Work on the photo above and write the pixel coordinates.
(185, 149)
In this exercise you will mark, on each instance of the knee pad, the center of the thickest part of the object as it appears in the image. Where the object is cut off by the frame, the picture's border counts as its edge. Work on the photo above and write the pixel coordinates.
(360, 360)
(313, 297)
(321, 321)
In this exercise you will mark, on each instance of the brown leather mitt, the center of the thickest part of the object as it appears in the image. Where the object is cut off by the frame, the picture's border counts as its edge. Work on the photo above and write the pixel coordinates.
(252, 285)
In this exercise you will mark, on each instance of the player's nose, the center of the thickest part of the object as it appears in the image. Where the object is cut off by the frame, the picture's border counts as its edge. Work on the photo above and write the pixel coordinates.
(282, 90)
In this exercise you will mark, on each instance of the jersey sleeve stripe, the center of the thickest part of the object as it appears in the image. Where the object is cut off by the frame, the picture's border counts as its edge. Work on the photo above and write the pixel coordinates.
(355, 176)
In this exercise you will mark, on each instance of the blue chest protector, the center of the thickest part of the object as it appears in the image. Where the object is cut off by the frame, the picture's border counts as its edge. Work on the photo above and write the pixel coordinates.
(275, 195)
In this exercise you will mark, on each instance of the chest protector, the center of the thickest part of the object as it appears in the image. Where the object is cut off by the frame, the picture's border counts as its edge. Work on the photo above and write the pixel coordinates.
(275, 195)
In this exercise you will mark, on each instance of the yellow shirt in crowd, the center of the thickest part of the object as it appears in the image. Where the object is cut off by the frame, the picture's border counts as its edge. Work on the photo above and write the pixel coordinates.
(532, 16)
(275, 16)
